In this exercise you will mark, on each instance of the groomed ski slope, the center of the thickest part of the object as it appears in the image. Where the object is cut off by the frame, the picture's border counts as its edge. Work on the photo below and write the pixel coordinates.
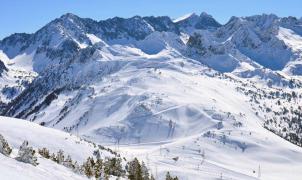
(276, 158)
(230, 151)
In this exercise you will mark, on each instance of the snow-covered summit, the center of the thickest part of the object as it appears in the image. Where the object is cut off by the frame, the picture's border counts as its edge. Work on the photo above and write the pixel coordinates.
(191, 22)
(184, 17)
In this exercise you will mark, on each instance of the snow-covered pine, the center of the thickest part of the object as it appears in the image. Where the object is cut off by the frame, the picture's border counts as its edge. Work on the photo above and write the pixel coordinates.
(4, 147)
(113, 166)
(27, 154)
(134, 170)
(169, 177)
(69, 163)
(44, 152)
(98, 169)
(60, 158)
(88, 167)
(145, 171)
(77, 168)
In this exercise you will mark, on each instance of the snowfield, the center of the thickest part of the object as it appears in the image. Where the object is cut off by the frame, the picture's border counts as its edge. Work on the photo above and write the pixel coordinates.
(15, 131)
(241, 155)
(12, 169)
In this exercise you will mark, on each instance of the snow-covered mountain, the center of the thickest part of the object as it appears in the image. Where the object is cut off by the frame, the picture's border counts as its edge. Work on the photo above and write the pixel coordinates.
(177, 83)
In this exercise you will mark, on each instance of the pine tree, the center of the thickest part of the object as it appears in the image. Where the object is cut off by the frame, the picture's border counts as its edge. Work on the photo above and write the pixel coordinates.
(68, 163)
(26, 154)
(106, 176)
(169, 177)
(145, 172)
(53, 158)
(4, 147)
(134, 170)
(60, 156)
(44, 152)
(113, 166)
(77, 169)
(88, 167)
(98, 168)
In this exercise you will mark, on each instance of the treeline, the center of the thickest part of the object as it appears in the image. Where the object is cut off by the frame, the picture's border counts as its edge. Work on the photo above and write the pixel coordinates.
(93, 167)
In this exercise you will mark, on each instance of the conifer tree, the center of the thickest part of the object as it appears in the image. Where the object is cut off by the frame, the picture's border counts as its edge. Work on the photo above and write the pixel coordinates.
(113, 166)
(77, 169)
(88, 167)
(26, 154)
(169, 177)
(44, 152)
(134, 170)
(145, 172)
(4, 147)
(60, 156)
(68, 163)
(53, 158)
(98, 168)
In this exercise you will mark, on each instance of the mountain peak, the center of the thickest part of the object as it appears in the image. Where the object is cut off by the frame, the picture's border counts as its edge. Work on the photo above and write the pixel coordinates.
(207, 20)
(69, 16)
(204, 14)
(185, 17)
(204, 21)
(264, 18)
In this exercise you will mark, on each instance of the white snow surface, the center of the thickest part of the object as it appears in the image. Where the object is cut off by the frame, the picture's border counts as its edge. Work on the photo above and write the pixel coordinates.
(186, 16)
(15, 131)
(136, 104)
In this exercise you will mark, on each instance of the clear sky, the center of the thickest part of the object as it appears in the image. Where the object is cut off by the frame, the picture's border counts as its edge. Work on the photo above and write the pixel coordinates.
(30, 15)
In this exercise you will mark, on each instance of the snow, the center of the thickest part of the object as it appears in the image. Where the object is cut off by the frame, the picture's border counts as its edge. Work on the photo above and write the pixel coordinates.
(94, 39)
(290, 38)
(186, 16)
(293, 41)
(11, 169)
(4, 58)
(16, 131)
(280, 162)
(159, 98)
(23, 61)
(143, 96)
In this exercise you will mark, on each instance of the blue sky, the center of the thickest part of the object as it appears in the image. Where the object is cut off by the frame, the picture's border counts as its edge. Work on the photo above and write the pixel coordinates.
(30, 15)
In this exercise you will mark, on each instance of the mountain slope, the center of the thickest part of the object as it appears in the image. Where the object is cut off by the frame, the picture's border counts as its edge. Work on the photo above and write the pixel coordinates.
(15, 131)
